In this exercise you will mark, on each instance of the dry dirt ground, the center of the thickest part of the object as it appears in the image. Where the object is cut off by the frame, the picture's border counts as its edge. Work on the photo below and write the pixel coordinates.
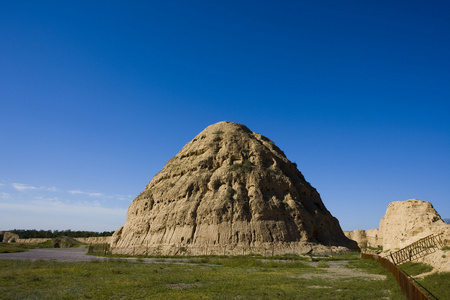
(338, 270)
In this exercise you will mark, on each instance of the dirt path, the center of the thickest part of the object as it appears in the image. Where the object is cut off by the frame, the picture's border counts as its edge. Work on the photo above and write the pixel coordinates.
(72, 254)
(338, 269)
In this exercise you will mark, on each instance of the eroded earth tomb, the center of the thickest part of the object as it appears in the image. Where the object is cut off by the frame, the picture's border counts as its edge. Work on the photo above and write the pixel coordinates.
(229, 191)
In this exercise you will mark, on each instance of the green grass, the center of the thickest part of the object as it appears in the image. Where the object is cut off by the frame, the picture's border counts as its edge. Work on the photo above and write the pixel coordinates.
(374, 248)
(15, 247)
(8, 248)
(246, 166)
(60, 242)
(322, 265)
(414, 268)
(201, 278)
(438, 284)
(368, 265)
(338, 256)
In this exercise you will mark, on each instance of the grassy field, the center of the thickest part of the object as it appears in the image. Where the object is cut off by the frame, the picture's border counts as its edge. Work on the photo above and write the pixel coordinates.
(197, 278)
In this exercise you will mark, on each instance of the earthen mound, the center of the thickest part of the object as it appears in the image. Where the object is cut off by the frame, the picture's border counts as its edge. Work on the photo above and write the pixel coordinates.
(406, 222)
(229, 190)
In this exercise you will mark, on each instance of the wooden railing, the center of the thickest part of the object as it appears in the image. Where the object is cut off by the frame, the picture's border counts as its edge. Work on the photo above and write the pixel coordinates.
(416, 250)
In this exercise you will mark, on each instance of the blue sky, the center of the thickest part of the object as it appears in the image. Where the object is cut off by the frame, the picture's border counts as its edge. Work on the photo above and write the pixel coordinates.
(96, 96)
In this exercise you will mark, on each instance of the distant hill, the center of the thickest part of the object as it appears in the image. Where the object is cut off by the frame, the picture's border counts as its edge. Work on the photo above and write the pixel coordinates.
(446, 221)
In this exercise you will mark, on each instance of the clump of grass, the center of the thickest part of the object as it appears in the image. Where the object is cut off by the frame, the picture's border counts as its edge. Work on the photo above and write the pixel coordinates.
(229, 194)
(246, 166)
(145, 194)
(322, 265)
(286, 206)
(271, 171)
(380, 248)
(340, 256)
(60, 242)
(200, 260)
(414, 268)
(292, 256)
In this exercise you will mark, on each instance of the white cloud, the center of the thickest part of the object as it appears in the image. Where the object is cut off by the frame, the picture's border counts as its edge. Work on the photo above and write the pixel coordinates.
(51, 213)
(27, 206)
(5, 196)
(24, 187)
(121, 197)
(75, 192)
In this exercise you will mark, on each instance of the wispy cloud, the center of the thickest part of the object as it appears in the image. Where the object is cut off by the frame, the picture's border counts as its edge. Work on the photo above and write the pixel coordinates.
(5, 196)
(21, 187)
(75, 192)
(18, 190)
(51, 213)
